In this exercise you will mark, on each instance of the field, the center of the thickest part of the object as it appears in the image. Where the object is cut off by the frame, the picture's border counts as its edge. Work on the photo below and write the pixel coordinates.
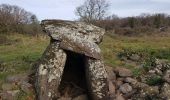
(19, 55)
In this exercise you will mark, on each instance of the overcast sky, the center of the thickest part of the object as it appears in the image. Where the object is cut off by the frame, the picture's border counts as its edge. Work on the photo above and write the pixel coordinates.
(64, 9)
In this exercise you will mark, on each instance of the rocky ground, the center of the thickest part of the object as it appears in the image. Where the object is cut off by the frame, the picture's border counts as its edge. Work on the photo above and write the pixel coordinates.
(154, 84)
(17, 87)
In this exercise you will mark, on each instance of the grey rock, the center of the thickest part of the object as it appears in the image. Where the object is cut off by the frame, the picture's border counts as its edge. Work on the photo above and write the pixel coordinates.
(81, 97)
(119, 97)
(75, 36)
(166, 77)
(123, 72)
(112, 88)
(125, 88)
(17, 78)
(165, 91)
(111, 74)
(65, 98)
(130, 80)
(89, 32)
(49, 72)
(26, 87)
(10, 95)
(135, 57)
(119, 83)
(150, 91)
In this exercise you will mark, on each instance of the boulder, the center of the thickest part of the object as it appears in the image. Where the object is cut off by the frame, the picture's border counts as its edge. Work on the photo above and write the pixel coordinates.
(17, 78)
(112, 88)
(123, 72)
(134, 57)
(119, 97)
(130, 80)
(81, 97)
(150, 91)
(26, 87)
(125, 88)
(111, 74)
(165, 91)
(9, 95)
(166, 76)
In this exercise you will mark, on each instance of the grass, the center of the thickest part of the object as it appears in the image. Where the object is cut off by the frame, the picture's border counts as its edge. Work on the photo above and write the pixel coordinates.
(19, 56)
(113, 44)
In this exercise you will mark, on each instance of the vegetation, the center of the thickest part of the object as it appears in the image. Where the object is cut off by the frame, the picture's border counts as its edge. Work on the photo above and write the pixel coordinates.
(19, 56)
(16, 19)
(113, 45)
(92, 10)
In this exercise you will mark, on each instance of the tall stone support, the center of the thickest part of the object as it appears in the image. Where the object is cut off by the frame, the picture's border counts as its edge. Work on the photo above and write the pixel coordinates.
(49, 72)
(96, 79)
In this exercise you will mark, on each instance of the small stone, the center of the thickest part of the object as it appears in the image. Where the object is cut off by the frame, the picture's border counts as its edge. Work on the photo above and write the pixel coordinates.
(118, 83)
(81, 97)
(26, 87)
(151, 90)
(112, 88)
(111, 74)
(10, 95)
(17, 78)
(125, 88)
(165, 91)
(135, 57)
(119, 97)
(140, 85)
(65, 98)
(123, 72)
(7, 87)
(166, 77)
(130, 80)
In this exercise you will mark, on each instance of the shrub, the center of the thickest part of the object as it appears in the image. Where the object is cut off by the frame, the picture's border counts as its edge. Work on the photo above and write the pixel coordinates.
(155, 80)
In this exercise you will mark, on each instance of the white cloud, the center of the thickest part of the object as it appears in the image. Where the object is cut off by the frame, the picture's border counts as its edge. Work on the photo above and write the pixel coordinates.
(64, 9)
(161, 1)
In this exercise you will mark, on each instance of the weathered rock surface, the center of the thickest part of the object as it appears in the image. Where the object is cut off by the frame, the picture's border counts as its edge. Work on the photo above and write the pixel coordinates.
(75, 36)
(67, 37)
(123, 72)
(49, 72)
(125, 88)
(165, 91)
(81, 97)
(9, 95)
(17, 78)
(166, 77)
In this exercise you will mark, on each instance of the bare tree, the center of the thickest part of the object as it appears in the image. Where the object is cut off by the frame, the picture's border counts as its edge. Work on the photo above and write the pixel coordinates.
(92, 10)
(15, 19)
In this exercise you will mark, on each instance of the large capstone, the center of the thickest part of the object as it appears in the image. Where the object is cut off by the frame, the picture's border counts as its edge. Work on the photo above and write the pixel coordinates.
(72, 65)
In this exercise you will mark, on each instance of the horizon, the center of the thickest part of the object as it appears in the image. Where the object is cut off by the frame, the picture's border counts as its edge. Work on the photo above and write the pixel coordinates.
(65, 9)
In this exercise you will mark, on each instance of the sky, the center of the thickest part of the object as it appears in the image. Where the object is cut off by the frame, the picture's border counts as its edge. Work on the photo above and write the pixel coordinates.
(65, 9)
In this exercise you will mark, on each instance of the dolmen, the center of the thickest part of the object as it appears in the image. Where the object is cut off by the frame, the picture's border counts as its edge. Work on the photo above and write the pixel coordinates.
(72, 64)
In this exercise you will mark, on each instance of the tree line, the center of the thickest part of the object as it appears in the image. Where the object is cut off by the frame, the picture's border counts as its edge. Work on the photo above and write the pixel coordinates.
(96, 12)
(16, 19)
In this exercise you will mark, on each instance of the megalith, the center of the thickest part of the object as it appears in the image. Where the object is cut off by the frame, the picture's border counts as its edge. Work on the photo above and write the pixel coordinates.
(72, 64)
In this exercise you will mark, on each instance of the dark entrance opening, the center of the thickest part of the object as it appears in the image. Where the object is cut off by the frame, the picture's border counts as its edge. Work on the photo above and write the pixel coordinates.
(73, 82)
